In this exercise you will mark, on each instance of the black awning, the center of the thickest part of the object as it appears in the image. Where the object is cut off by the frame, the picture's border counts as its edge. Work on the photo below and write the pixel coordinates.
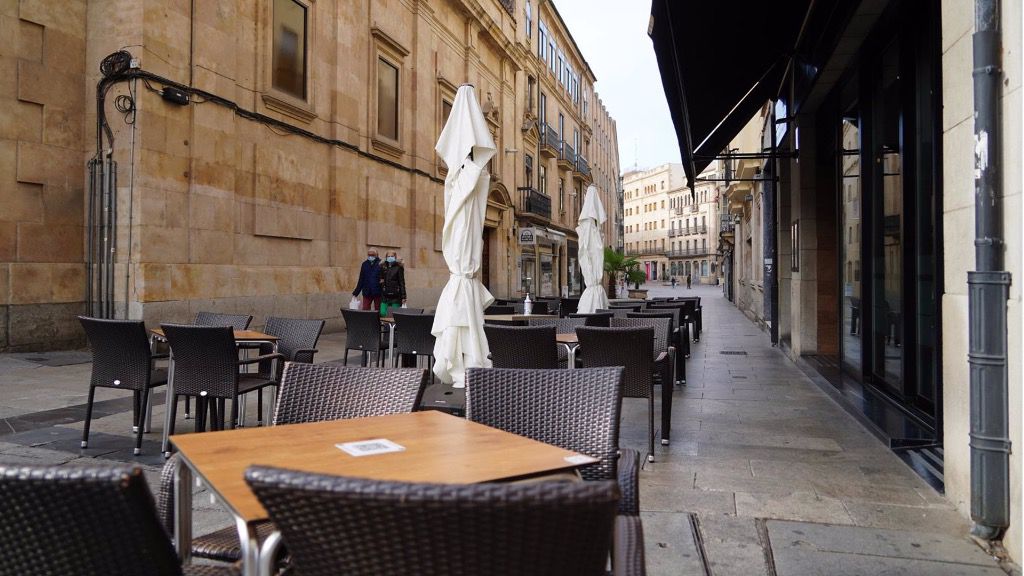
(720, 60)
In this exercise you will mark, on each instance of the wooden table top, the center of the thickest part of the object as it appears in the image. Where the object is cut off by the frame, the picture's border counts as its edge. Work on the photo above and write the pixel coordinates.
(240, 335)
(439, 448)
(567, 338)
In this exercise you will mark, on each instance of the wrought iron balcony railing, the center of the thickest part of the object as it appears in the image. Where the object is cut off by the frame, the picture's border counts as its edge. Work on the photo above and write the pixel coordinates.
(534, 202)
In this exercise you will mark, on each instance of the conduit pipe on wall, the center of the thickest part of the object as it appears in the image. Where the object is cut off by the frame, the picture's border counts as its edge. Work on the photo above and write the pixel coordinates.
(988, 292)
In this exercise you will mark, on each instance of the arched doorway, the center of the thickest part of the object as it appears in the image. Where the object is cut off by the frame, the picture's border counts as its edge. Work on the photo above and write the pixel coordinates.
(494, 259)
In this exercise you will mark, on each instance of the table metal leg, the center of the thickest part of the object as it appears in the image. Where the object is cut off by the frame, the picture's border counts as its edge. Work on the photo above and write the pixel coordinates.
(267, 554)
(272, 390)
(570, 352)
(391, 344)
(165, 446)
(250, 548)
(183, 511)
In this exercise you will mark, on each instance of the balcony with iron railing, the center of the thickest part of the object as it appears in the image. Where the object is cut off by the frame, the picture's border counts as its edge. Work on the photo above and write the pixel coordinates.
(567, 159)
(531, 201)
(727, 227)
(583, 167)
(654, 251)
(685, 252)
(673, 232)
(550, 142)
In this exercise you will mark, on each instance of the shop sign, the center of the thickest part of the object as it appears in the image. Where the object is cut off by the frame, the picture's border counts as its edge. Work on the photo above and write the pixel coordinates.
(527, 236)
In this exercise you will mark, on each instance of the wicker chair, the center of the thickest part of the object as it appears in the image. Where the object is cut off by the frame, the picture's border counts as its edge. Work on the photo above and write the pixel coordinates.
(363, 334)
(619, 312)
(297, 338)
(663, 367)
(681, 344)
(597, 320)
(318, 392)
(631, 348)
(575, 409)
(634, 306)
(309, 393)
(413, 337)
(86, 521)
(553, 305)
(683, 320)
(522, 346)
(337, 525)
(568, 306)
(499, 309)
(206, 366)
(236, 321)
(562, 326)
(121, 359)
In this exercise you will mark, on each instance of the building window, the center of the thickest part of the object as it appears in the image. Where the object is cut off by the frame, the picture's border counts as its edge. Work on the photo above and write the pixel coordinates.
(529, 20)
(542, 183)
(528, 166)
(542, 41)
(387, 99)
(289, 58)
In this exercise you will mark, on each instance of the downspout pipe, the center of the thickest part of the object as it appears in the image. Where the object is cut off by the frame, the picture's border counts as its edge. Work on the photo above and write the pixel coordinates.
(988, 292)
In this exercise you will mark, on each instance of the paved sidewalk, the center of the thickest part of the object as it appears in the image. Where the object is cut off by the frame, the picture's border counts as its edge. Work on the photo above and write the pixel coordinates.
(765, 474)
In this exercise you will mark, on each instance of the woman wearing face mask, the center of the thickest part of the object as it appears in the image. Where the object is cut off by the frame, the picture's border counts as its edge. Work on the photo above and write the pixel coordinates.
(369, 281)
(392, 283)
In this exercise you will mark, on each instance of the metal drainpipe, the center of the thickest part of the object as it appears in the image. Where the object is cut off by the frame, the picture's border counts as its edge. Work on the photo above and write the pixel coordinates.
(988, 291)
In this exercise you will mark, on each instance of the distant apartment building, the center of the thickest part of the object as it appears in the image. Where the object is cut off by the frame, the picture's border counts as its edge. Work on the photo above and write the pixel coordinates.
(670, 229)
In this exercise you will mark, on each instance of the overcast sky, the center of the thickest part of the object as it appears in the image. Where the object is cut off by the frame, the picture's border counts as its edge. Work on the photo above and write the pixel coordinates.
(612, 34)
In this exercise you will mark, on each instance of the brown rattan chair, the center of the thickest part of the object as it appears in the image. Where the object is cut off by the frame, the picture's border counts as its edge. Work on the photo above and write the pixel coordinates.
(522, 346)
(631, 348)
(206, 366)
(338, 525)
(663, 366)
(86, 521)
(363, 333)
(575, 409)
(598, 320)
(121, 359)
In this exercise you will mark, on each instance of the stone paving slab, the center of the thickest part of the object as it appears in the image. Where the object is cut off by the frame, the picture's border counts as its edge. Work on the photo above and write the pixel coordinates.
(803, 549)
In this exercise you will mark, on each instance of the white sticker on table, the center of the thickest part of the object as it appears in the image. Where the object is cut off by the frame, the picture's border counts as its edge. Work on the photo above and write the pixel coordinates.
(370, 447)
(579, 459)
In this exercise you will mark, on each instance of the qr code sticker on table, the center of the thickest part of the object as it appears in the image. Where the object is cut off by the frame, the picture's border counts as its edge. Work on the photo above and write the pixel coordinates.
(370, 447)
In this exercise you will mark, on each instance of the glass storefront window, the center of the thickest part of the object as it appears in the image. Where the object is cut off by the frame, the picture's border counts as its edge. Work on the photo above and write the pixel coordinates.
(850, 202)
(547, 276)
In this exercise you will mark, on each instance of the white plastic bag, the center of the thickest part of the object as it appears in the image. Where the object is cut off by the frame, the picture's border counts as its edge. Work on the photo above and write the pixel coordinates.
(355, 303)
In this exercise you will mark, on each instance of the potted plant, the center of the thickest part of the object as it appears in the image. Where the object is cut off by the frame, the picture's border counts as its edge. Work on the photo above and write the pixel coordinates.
(636, 276)
(616, 264)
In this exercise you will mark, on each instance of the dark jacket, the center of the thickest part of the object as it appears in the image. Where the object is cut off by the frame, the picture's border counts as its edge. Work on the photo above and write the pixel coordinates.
(392, 281)
(369, 279)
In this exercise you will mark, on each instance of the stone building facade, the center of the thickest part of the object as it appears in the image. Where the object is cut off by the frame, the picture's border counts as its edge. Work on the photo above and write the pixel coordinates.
(670, 229)
(306, 138)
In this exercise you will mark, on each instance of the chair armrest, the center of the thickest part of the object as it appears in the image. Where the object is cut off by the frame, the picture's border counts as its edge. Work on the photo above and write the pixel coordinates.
(304, 355)
(160, 356)
(629, 481)
(628, 547)
(261, 358)
(661, 357)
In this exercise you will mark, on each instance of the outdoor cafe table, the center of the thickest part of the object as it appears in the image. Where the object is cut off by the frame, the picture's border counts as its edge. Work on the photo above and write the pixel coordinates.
(438, 448)
(241, 336)
(571, 342)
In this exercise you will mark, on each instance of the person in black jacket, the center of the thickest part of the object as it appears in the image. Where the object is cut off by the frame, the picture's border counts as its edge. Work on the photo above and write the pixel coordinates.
(392, 283)
(369, 281)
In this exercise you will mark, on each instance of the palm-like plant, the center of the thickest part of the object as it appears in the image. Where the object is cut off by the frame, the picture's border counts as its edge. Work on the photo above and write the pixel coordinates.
(616, 263)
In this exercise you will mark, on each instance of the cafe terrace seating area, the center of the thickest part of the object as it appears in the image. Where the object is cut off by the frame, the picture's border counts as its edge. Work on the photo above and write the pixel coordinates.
(359, 466)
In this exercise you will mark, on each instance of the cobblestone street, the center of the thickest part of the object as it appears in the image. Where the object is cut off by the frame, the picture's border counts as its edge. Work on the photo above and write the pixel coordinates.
(765, 473)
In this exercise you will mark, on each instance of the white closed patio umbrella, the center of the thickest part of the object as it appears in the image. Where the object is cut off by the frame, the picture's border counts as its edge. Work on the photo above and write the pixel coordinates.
(591, 253)
(466, 146)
